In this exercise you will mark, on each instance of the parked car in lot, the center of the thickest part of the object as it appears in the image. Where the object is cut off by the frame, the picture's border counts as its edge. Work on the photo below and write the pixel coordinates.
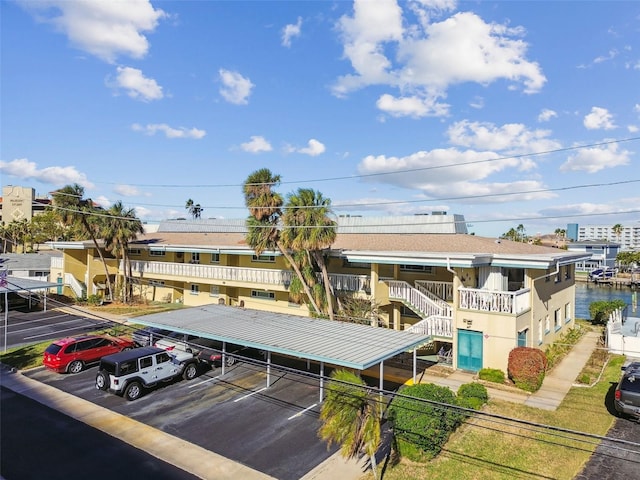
(207, 350)
(129, 373)
(145, 337)
(71, 354)
(627, 394)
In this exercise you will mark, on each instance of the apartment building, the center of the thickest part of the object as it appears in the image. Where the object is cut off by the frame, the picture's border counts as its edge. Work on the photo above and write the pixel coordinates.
(628, 238)
(479, 297)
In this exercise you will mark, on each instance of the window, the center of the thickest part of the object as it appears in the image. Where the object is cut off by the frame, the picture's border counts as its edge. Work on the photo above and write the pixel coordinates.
(156, 283)
(263, 294)
(567, 272)
(214, 291)
(128, 367)
(162, 358)
(156, 253)
(346, 263)
(522, 338)
(557, 319)
(263, 258)
(418, 268)
(135, 252)
(146, 362)
(215, 258)
(567, 312)
(540, 335)
(195, 257)
(547, 326)
(195, 289)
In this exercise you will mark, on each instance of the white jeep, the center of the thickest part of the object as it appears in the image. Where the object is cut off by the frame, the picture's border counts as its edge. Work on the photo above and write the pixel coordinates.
(128, 373)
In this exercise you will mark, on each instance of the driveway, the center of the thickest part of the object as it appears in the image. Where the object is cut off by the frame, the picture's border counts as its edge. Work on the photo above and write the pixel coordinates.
(272, 430)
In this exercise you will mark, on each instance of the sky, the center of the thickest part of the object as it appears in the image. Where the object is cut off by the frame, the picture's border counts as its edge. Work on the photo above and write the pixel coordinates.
(506, 112)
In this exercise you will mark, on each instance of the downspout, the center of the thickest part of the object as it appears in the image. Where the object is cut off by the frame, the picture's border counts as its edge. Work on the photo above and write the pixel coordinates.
(550, 274)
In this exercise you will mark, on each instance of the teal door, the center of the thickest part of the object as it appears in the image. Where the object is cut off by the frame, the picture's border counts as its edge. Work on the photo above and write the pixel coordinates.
(469, 350)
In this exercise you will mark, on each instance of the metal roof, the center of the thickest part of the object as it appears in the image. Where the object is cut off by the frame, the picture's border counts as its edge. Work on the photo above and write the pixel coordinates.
(338, 343)
(20, 284)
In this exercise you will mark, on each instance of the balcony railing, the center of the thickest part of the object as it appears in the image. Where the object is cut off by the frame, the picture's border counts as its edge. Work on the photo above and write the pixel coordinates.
(513, 303)
(263, 276)
(436, 326)
(441, 290)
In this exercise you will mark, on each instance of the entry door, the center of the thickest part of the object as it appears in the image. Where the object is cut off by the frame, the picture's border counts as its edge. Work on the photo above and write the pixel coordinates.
(469, 350)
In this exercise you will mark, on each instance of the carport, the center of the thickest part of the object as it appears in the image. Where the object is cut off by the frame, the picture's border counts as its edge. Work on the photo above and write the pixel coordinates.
(343, 344)
(17, 285)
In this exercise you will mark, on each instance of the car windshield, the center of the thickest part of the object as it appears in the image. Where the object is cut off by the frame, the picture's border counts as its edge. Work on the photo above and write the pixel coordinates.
(53, 349)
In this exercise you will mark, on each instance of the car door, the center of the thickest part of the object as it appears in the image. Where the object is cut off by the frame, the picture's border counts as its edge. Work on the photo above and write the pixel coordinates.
(163, 367)
(100, 348)
(85, 350)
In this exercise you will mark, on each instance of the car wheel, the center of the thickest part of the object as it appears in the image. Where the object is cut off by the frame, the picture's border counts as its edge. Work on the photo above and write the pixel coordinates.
(133, 391)
(230, 360)
(102, 381)
(75, 366)
(190, 371)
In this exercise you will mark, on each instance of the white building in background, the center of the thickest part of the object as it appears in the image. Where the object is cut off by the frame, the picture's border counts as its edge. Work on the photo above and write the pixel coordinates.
(629, 238)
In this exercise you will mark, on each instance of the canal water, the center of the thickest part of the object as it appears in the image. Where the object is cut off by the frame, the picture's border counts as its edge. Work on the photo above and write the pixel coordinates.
(589, 292)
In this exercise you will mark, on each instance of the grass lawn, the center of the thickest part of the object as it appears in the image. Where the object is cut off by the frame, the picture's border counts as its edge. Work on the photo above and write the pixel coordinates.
(486, 448)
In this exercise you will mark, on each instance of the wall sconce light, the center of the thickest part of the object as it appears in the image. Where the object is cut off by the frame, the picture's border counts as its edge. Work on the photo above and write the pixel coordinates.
(469, 322)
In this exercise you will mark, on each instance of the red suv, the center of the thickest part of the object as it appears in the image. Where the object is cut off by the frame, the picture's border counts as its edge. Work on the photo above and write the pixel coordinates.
(73, 353)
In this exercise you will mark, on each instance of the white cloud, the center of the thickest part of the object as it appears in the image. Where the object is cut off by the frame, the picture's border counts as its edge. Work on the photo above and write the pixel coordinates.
(594, 159)
(26, 170)
(415, 106)
(599, 119)
(169, 132)
(430, 57)
(613, 53)
(633, 128)
(105, 29)
(129, 191)
(136, 84)
(290, 31)
(510, 138)
(546, 115)
(313, 148)
(257, 144)
(236, 88)
(636, 108)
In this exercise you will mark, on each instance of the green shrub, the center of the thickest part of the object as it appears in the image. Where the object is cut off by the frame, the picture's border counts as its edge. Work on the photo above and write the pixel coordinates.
(491, 375)
(601, 310)
(423, 426)
(473, 390)
(94, 299)
(526, 368)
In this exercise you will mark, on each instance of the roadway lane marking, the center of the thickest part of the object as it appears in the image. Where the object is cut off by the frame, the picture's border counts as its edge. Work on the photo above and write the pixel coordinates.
(204, 381)
(75, 320)
(302, 412)
(43, 319)
(250, 394)
(64, 330)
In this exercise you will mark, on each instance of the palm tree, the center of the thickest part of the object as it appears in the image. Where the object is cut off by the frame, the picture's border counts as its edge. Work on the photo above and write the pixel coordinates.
(520, 230)
(617, 230)
(73, 210)
(350, 417)
(307, 226)
(194, 209)
(265, 209)
(120, 226)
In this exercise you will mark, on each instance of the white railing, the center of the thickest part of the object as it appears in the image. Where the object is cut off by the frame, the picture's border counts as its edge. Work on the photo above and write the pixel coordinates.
(400, 290)
(351, 283)
(215, 272)
(441, 290)
(436, 326)
(513, 303)
(75, 285)
(446, 308)
(57, 262)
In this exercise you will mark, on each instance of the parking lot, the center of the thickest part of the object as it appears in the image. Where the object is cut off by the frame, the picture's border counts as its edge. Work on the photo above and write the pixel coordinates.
(273, 430)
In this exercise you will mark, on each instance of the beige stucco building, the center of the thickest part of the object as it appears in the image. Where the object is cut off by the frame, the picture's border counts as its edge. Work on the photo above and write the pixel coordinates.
(479, 297)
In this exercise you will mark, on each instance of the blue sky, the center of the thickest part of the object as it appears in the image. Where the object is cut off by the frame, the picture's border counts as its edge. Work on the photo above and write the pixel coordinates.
(505, 112)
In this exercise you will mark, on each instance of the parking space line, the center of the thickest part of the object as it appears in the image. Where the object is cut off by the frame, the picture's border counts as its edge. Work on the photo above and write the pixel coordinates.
(205, 381)
(249, 394)
(67, 329)
(301, 412)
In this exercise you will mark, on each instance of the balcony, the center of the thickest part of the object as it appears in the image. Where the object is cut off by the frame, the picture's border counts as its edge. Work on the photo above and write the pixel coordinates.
(513, 303)
(250, 276)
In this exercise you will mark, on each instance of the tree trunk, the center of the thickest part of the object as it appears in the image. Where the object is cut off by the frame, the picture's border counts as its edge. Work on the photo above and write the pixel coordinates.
(104, 263)
(307, 291)
(328, 289)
